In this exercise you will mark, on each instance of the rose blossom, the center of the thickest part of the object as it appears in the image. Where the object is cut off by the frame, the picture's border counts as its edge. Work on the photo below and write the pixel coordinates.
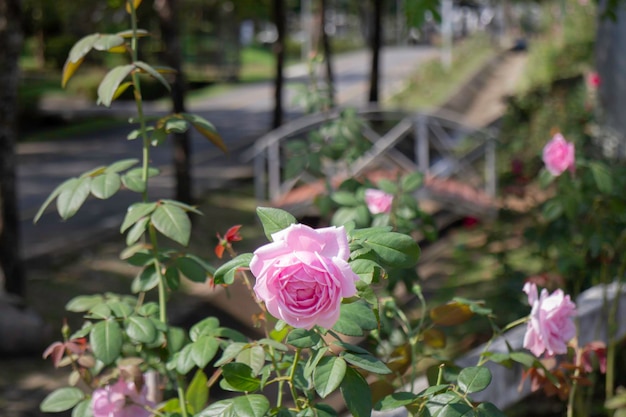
(303, 275)
(558, 155)
(551, 323)
(121, 400)
(378, 201)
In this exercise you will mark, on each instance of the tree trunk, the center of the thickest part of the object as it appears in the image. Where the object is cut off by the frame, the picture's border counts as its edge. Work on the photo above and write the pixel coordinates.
(375, 43)
(330, 79)
(11, 41)
(170, 33)
(279, 53)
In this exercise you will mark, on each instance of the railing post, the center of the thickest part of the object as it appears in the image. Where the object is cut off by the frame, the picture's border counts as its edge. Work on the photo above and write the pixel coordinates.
(422, 151)
(273, 166)
(260, 186)
(490, 168)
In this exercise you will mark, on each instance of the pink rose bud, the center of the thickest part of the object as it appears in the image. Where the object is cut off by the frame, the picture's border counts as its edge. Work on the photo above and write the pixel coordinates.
(378, 201)
(558, 155)
(551, 324)
(303, 275)
(121, 400)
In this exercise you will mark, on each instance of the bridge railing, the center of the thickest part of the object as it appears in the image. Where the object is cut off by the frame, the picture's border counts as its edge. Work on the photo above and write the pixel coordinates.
(432, 143)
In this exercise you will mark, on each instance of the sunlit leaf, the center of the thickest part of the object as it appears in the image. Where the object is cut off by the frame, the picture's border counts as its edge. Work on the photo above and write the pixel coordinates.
(110, 83)
(106, 341)
(274, 220)
(240, 377)
(129, 33)
(69, 68)
(474, 379)
(82, 47)
(106, 185)
(141, 329)
(136, 232)
(225, 274)
(58, 190)
(72, 197)
(255, 405)
(172, 222)
(356, 394)
(61, 399)
(206, 129)
(105, 42)
(121, 88)
(451, 314)
(434, 338)
(203, 350)
(197, 392)
(328, 375)
(135, 212)
(154, 73)
(132, 3)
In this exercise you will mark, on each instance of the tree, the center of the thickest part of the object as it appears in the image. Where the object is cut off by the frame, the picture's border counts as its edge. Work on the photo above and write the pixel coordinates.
(279, 53)
(11, 41)
(375, 45)
(327, 53)
(167, 11)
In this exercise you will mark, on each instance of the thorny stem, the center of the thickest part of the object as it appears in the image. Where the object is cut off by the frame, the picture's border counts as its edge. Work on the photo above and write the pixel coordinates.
(292, 374)
(572, 394)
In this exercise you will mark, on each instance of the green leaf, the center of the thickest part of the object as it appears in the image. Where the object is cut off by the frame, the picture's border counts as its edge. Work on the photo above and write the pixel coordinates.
(602, 177)
(133, 179)
(154, 73)
(395, 249)
(328, 375)
(366, 269)
(395, 400)
(105, 186)
(83, 409)
(225, 274)
(72, 197)
(345, 198)
(183, 206)
(302, 338)
(58, 190)
(172, 278)
(552, 210)
(184, 360)
(106, 341)
(240, 377)
(255, 405)
(61, 399)
(203, 350)
(197, 392)
(174, 125)
(191, 269)
(146, 280)
(354, 318)
(412, 181)
(230, 353)
(356, 394)
(135, 232)
(110, 83)
(254, 357)
(136, 212)
(104, 42)
(474, 379)
(83, 303)
(122, 165)
(172, 222)
(274, 220)
(488, 410)
(82, 47)
(448, 405)
(366, 362)
(203, 328)
(206, 129)
(141, 329)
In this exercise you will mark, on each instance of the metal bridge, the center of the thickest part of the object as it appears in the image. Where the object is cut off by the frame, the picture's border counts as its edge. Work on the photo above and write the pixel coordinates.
(458, 161)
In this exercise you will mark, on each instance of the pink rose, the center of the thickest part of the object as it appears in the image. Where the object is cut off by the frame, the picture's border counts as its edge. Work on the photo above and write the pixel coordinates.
(303, 275)
(378, 201)
(551, 323)
(558, 155)
(121, 400)
(593, 80)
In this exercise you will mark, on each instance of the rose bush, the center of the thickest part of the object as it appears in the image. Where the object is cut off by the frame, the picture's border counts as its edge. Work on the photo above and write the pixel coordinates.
(559, 155)
(303, 275)
(378, 201)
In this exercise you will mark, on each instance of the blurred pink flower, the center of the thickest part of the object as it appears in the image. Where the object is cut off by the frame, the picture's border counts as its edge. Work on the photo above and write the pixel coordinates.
(593, 80)
(597, 349)
(303, 275)
(551, 323)
(559, 155)
(121, 400)
(378, 201)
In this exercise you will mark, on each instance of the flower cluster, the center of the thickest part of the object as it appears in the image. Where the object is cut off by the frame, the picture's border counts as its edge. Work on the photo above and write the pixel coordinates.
(121, 399)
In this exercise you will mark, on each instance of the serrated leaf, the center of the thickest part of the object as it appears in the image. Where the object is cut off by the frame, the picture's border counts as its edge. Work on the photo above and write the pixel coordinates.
(61, 399)
(110, 83)
(191, 269)
(254, 357)
(146, 280)
(106, 185)
(206, 129)
(255, 405)
(203, 328)
(136, 232)
(356, 394)
(54, 194)
(366, 362)
(105, 339)
(230, 353)
(396, 249)
(172, 222)
(354, 318)
(225, 274)
(302, 338)
(141, 329)
(328, 375)
(203, 350)
(474, 379)
(154, 73)
(240, 377)
(135, 212)
(395, 400)
(197, 392)
(448, 405)
(72, 197)
(274, 220)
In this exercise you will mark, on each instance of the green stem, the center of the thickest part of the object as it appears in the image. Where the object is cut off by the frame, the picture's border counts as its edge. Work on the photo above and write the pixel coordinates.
(572, 393)
(292, 374)
(161, 284)
(181, 395)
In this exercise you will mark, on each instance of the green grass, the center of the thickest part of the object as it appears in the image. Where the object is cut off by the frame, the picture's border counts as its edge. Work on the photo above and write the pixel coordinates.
(432, 84)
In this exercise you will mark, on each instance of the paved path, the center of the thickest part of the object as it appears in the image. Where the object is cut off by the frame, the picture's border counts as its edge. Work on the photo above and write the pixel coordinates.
(241, 115)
